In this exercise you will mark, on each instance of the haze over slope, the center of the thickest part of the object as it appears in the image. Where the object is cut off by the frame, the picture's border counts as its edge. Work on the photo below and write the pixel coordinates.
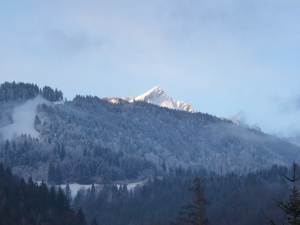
(23, 118)
(159, 134)
(89, 138)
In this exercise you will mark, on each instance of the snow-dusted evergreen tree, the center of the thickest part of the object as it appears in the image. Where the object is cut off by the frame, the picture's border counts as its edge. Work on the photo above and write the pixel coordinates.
(68, 192)
(292, 206)
(194, 212)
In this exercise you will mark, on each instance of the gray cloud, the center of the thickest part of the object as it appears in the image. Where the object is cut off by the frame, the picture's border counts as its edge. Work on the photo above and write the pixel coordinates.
(288, 105)
(297, 103)
(214, 54)
(70, 43)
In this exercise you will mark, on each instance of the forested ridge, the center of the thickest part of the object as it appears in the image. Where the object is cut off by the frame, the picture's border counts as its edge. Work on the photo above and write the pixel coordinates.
(17, 93)
(160, 135)
(90, 140)
(24, 91)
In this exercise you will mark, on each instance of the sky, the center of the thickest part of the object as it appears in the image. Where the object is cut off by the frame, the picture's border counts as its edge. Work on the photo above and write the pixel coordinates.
(224, 57)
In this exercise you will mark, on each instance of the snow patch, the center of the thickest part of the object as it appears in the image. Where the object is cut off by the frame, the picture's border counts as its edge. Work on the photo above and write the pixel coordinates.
(59, 102)
(76, 187)
(157, 96)
(23, 119)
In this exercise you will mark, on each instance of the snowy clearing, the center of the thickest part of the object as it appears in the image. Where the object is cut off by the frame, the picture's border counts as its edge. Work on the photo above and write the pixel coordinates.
(76, 187)
(23, 117)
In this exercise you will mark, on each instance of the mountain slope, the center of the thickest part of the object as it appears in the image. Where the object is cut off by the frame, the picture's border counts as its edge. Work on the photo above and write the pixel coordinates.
(157, 96)
(23, 118)
(90, 139)
(162, 135)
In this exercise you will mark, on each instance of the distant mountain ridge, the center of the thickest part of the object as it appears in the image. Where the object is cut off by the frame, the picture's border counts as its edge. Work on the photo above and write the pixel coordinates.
(157, 96)
(89, 139)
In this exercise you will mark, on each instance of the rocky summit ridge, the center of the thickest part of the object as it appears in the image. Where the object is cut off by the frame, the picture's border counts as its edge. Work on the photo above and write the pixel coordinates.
(157, 96)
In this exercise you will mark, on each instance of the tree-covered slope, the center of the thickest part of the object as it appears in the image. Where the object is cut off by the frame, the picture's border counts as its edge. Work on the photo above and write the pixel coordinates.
(28, 203)
(23, 91)
(162, 135)
(12, 94)
(90, 139)
(234, 199)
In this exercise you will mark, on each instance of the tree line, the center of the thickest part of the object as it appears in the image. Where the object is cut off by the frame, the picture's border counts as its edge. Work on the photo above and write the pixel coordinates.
(233, 199)
(12, 91)
(29, 203)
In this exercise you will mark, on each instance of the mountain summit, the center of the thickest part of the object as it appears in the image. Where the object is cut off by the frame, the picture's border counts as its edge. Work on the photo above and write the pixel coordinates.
(157, 96)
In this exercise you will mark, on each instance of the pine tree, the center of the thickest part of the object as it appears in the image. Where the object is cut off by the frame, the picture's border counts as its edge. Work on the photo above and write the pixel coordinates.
(81, 217)
(291, 207)
(62, 153)
(193, 212)
(37, 120)
(51, 173)
(61, 200)
(52, 196)
(58, 174)
(68, 192)
(94, 222)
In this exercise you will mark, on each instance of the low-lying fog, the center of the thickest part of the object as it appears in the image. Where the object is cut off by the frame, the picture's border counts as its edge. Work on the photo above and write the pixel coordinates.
(23, 119)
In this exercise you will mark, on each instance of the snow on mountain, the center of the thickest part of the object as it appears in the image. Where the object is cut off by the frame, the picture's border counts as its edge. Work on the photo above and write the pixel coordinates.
(114, 100)
(157, 96)
(23, 119)
(75, 187)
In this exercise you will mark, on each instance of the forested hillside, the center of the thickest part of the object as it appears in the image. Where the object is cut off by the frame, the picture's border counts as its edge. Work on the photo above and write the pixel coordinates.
(90, 139)
(28, 203)
(162, 135)
(234, 199)
(59, 164)
(24, 91)
(12, 94)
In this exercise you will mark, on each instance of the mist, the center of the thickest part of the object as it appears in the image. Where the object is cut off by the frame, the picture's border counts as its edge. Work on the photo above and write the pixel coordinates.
(23, 119)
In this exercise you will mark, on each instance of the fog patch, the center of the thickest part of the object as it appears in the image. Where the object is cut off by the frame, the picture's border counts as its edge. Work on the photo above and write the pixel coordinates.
(23, 119)
(246, 132)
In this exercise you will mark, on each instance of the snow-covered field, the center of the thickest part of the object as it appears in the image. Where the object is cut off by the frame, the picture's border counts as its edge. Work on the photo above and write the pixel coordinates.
(130, 186)
(76, 187)
(23, 119)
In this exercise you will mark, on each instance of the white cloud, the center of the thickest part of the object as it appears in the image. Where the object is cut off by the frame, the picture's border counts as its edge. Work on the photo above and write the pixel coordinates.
(220, 56)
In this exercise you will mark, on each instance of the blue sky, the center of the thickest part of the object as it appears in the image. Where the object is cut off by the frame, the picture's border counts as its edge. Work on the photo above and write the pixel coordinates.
(234, 57)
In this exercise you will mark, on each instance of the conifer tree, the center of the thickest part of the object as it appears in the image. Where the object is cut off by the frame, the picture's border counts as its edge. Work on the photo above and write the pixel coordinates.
(62, 153)
(52, 196)
(51, 173)
(62, 202)
(37, 120)
(68, 192)
(81, 217)
(194, 212)
(94, 222)
(291, 207)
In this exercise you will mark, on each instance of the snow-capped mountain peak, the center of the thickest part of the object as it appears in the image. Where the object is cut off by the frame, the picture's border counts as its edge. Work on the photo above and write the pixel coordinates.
(151, 95)
(157, 96)
(154, 91)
